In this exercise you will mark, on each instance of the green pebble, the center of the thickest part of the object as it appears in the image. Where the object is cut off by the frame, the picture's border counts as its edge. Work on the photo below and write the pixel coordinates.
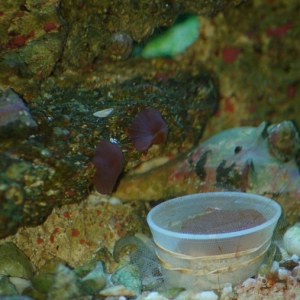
(129, 276)
(42, 282)
(16, 170)
(66, 285)
(6, 287)
(86, 269)
(13, 262)
(33, 293)
(96, 279)
(51, 265)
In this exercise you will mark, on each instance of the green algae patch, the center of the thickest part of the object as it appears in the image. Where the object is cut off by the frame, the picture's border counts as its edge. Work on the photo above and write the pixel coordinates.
(175, 40)
(13, 262)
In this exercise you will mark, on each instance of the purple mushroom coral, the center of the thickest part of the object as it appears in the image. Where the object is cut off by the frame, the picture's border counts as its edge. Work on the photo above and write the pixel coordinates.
(108, 162)
(148, 128)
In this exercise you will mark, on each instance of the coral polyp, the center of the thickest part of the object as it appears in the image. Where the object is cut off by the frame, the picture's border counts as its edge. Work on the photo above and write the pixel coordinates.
(108, 162)
(148, 127)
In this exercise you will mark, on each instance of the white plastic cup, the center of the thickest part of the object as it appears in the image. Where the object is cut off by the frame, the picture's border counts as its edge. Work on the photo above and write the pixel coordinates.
(211, 260)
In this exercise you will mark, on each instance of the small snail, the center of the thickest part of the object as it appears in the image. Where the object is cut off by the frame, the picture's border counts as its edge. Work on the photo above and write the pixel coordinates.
(283, 140)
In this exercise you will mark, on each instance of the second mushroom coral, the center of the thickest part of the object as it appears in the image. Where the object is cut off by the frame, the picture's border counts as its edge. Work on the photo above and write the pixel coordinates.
(108, 162)
(148, 128)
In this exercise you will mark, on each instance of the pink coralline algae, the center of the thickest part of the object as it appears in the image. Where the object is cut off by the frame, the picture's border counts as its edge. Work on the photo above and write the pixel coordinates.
(15, 118)
(108, 162)
(148, 128)
(230, 54)
(278, 31)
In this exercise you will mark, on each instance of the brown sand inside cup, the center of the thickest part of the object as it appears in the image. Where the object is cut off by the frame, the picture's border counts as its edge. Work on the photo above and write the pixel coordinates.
(214, 221)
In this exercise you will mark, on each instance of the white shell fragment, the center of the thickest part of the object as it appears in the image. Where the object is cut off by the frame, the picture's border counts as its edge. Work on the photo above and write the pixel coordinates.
(190, 294)
(151, 296)
(207, 295)
(291, 239)
(103, 113)
(117, 290)
(20, 283)
(227, 292)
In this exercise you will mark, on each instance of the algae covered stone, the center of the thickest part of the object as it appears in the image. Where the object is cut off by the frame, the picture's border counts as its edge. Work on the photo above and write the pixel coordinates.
(130, 277)
(13, 261)
(66, 284)
(96, 279)
(55, 162)
(6, 287)
(42, 282)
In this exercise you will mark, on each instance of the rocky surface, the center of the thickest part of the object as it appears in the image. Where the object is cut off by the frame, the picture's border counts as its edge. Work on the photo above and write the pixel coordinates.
(59, 35)
(79, 233)
(14, 262)
(252, 49)
(95, 274)
(256, 58)
(50, 164)
(32, 36)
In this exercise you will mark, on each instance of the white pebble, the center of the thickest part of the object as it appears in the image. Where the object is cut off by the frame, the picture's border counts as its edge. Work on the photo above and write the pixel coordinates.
(249, 282)
(247, 285)
(283, 273)
(20, 283)
(295, 257)
(291, 239)
(114, 201)
(103, 113)
(207, 295)
(155, 296)
(96, 198)
(226, 292)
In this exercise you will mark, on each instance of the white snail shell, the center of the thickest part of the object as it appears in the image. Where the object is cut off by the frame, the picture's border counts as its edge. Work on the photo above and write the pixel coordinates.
(291, 239)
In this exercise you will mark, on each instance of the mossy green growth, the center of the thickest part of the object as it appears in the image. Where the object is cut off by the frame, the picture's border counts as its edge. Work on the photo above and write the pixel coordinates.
(42, 282)
(6, 287)
(13, 262)
(175, 40)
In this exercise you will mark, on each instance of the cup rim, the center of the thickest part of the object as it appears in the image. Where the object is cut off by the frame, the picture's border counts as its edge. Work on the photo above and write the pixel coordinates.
(207, 237)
